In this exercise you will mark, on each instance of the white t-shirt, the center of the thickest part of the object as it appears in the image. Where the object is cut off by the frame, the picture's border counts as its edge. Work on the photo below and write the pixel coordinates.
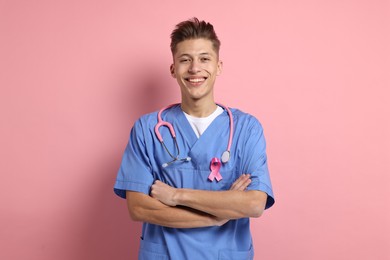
(200, 124)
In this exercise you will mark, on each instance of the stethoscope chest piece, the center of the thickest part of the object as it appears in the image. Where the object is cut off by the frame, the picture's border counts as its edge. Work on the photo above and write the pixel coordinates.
(225, 156)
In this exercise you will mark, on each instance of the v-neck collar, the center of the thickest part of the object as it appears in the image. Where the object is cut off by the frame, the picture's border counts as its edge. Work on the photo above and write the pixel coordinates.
(196, 146)
(184, 127)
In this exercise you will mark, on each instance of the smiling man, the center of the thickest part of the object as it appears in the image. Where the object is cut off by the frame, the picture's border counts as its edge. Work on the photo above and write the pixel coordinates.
(196, 67)
(195, 172)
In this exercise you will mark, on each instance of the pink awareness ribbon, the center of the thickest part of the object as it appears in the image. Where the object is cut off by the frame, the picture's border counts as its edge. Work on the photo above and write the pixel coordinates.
(215, 165)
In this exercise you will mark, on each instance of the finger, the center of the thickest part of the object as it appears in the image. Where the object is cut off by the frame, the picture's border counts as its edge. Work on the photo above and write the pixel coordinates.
(235, 183)
(154, 188)
(243, 184)
(241, 181)
(238, 182)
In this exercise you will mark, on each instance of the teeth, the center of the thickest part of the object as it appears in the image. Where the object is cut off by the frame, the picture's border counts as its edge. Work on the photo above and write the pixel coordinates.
(195, 80)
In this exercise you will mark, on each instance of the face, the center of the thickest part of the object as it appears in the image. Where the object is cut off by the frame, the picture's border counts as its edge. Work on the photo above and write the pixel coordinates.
(195, 67)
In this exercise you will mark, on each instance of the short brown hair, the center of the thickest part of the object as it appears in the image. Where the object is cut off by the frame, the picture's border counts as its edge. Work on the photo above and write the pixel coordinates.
(194, 29)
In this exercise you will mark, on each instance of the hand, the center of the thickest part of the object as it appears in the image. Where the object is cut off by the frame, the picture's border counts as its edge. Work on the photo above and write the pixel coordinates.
(163, 192)
(241, 183)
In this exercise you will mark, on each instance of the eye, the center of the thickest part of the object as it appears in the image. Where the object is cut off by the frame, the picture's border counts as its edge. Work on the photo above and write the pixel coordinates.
(184, 60)
(205, 59)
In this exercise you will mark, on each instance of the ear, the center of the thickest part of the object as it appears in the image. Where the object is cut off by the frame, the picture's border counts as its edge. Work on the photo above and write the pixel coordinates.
(219, 67)
(172, 69)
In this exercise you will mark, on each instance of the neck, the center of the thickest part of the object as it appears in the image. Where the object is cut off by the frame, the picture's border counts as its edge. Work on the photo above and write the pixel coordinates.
(198, 108)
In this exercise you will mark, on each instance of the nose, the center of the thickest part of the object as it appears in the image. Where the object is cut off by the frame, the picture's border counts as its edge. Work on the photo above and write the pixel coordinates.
(194, 67)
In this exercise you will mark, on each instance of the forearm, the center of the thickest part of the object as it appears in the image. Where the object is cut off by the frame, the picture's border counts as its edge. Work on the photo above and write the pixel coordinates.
(234, 203)
(230, 204)
(147, 209)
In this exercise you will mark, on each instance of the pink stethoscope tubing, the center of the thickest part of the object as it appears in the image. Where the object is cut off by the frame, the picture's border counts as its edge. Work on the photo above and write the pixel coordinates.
(225, 155)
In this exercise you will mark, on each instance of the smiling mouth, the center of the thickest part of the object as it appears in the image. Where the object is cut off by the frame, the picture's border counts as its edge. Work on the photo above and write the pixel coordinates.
(196, 80)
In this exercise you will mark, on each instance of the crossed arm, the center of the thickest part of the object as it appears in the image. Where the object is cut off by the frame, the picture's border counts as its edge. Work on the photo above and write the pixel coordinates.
(188, 208)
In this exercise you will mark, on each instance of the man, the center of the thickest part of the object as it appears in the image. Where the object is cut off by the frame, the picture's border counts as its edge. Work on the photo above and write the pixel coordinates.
(193, 207)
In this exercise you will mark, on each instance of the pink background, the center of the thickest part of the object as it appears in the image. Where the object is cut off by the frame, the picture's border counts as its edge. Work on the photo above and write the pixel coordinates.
(75, 75)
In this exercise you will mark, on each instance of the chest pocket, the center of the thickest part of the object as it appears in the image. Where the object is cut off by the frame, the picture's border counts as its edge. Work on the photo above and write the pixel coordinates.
(191, 178)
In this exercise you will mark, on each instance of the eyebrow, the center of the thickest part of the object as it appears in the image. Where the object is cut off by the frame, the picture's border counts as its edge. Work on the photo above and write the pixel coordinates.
(200, 54)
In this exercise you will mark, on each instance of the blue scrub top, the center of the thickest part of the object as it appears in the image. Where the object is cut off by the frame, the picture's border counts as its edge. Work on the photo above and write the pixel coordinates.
(142, 165)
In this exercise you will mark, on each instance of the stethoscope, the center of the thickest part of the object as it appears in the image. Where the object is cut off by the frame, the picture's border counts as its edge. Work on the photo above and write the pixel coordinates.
(225, 155)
